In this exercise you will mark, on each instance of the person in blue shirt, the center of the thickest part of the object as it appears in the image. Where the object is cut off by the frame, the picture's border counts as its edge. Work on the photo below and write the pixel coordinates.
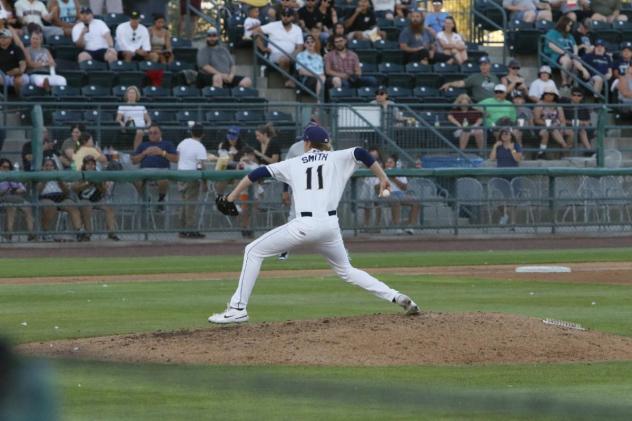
(434, 20)
(624, 61)
(155, 153)
(602, 65)
(560, 48)
(506, 152)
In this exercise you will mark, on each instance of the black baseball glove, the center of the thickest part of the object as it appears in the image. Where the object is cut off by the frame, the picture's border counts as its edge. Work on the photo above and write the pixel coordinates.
(226, 207)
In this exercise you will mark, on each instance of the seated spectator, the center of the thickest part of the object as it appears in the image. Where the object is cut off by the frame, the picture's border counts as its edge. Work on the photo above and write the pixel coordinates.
(252, 22)
(286, 41)
(48, 150)
(468, 122)
(6, 12)
(93, 37)
(161, 40)
(312, 63)
(583, 37)
(524, 116)
(418, 42)
(528, 10)
(403, 8)
(579, 117)
(217, 66)
(91, 196)
(384, 9)
(368, 195)
(505, 152)
(560, 47)
(133, 117)
(309, 16)
(381, 98)
(361, 23)
(625, 87)
(450, 42)
(607, 10)
(103, 7)
(12, 64)
(327, 19)
(65, 14)
(184, 13)
(231, 149)
(274, 13)
(434, 20)
(401, 197)
(576, 10)
(13, 197)
(498, 107)
(625, 60)
(132, 40)
(543, 82)
(514, 82)
(550, 116)
(342, 67)
(54, 196)
(155, 153)
(268, 151)
(32, 14)
(39, 59)
(70, 145)
(602, 63)
(480, 85)
(248, 160)
(88, 148)
(15, 33)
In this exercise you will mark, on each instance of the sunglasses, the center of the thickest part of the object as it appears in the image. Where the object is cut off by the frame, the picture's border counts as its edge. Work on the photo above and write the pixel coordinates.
(515, 68)
(380, 93)
(579, 95)
(133, 36)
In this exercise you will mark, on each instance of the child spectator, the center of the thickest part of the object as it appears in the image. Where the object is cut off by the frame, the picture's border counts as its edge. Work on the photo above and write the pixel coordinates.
(551, 117)
(602, 63)
(524, 116)
(543, 82)
(251, 22)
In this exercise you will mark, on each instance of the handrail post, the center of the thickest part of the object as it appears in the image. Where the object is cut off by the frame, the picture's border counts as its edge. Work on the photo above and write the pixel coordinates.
(189, 23)
(600, 136)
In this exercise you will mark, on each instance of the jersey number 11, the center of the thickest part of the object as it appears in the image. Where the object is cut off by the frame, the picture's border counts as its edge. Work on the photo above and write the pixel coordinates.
(319, 171)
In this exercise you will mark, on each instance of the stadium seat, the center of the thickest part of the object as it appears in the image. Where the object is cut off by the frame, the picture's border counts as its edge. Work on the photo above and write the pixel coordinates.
(445, 68)
(100, 117)
(65, 118)
(278, 117)
(177, 42)
(387, 68)
(131, 78)
(544, 25)
(359, 44)
(396, 93)
(157, 94)
(248, 116)
(74, 78)
(366, 93)
(92, 65)
(183, 117)
(112, 20)
(217, 94)
(26, 40)
(187, 94)
(499, 69)
(469, 68)
(55, 40)
(418, 68)
(247, 95)
(162, 117)
(65, 52)
(98, 93)
(119, 91)
(144, 66)
(342, 94)
(105, 78)
(187, 55)
(220, 117)
(178, 66)
(67, 93)
(123, 66)
(33, 93)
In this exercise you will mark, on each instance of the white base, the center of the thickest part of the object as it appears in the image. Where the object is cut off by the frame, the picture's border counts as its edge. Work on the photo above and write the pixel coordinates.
(543, 269)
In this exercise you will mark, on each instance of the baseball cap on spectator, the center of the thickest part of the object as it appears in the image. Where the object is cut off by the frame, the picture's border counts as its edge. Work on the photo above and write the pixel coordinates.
(85, 11)
(287, 12)
(545, 69)
(134, 15)
(233, 133)
(315, 134)
(513, 63)
(500, 88)
(627, 45)
(550, 90)
(483, 59)
(600, 42)
(5, 33)
(577, 91)
(211, 31)
(517, 94)
(309, 37)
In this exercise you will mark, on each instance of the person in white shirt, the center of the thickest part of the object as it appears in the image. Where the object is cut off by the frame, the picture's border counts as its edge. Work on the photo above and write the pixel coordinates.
(251, 22)
(191, 155)
(385, 8)
(131, 115)
(544, 81)
(450, 42)
(34, 11)
(93, 37)
(288, 39)
(400, 196)
(132, 40)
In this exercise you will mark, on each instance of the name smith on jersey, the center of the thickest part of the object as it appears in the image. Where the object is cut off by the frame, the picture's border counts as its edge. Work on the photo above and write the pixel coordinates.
(312, 157)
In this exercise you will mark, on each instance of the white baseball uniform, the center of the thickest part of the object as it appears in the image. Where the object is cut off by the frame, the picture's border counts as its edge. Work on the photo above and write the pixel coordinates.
(317, 180)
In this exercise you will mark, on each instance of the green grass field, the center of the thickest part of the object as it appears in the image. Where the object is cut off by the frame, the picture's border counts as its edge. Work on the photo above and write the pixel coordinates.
(108, 391)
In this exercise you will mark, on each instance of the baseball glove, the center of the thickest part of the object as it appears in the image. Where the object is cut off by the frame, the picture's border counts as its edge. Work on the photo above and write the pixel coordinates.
(226, 207)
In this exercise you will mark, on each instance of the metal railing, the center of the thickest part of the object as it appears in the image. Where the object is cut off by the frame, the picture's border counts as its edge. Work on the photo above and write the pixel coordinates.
(478, 15)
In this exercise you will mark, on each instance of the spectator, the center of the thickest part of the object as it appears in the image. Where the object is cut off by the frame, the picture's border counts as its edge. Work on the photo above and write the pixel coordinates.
(267, 151)
(91, 196)
(252, 22)
(93, 37)
(275, 12)
(368, 195)
(524, 116)
(309, 16)
(528, 10)
(217, 66)
(450, 42)
(624, 61)
(505, 152)
(87, 148)
(15, 33)
(384, 9)
(103, 7)
(418, 42)
(287, 40)
(311, 61)
(513, 80)
(579, 117)
(38, 58)
(328, 18)
(342, 66)
(560, 48)
(361, 23)
(382, 99)
(607, 10)
(6, 13)
(12, 63)
(133, 117)
(543, 82)
(65, 14)
(434, 20)
(132, 40)
(70, 145)
(576, 10)
(191, 156)
(602, 63)
(625, 87)
(156, 153)
(583, 37)
(468, 122)
(13, 197)
(403, 8)
(481, 85)
(161, 40)
(550, 116)
(498, 107)
(54, 196)
(400, 196)
(34, 12)
(184, 13)
(232, 148)
(48, 150)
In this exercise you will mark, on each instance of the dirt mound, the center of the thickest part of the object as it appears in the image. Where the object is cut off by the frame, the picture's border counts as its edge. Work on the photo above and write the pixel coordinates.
(376, 340)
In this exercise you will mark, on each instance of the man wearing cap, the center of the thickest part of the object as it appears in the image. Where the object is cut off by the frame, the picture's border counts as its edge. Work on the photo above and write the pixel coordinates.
(93, 37)
(191, 156)
(434, 20)
(624, 61)
(543, 82)
(578, 117)
(286, 41)
(482, 85)
(418, 42)
(602, 65)
(528, 10)
(35, 12)
(216, 65)
(12, 63)
(132, 40)
(498, 107)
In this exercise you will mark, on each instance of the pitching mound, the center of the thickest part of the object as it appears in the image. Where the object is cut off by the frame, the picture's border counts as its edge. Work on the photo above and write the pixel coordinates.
(432, 338)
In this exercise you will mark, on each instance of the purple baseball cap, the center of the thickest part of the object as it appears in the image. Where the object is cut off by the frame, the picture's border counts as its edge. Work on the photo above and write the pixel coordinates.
(233, 133)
